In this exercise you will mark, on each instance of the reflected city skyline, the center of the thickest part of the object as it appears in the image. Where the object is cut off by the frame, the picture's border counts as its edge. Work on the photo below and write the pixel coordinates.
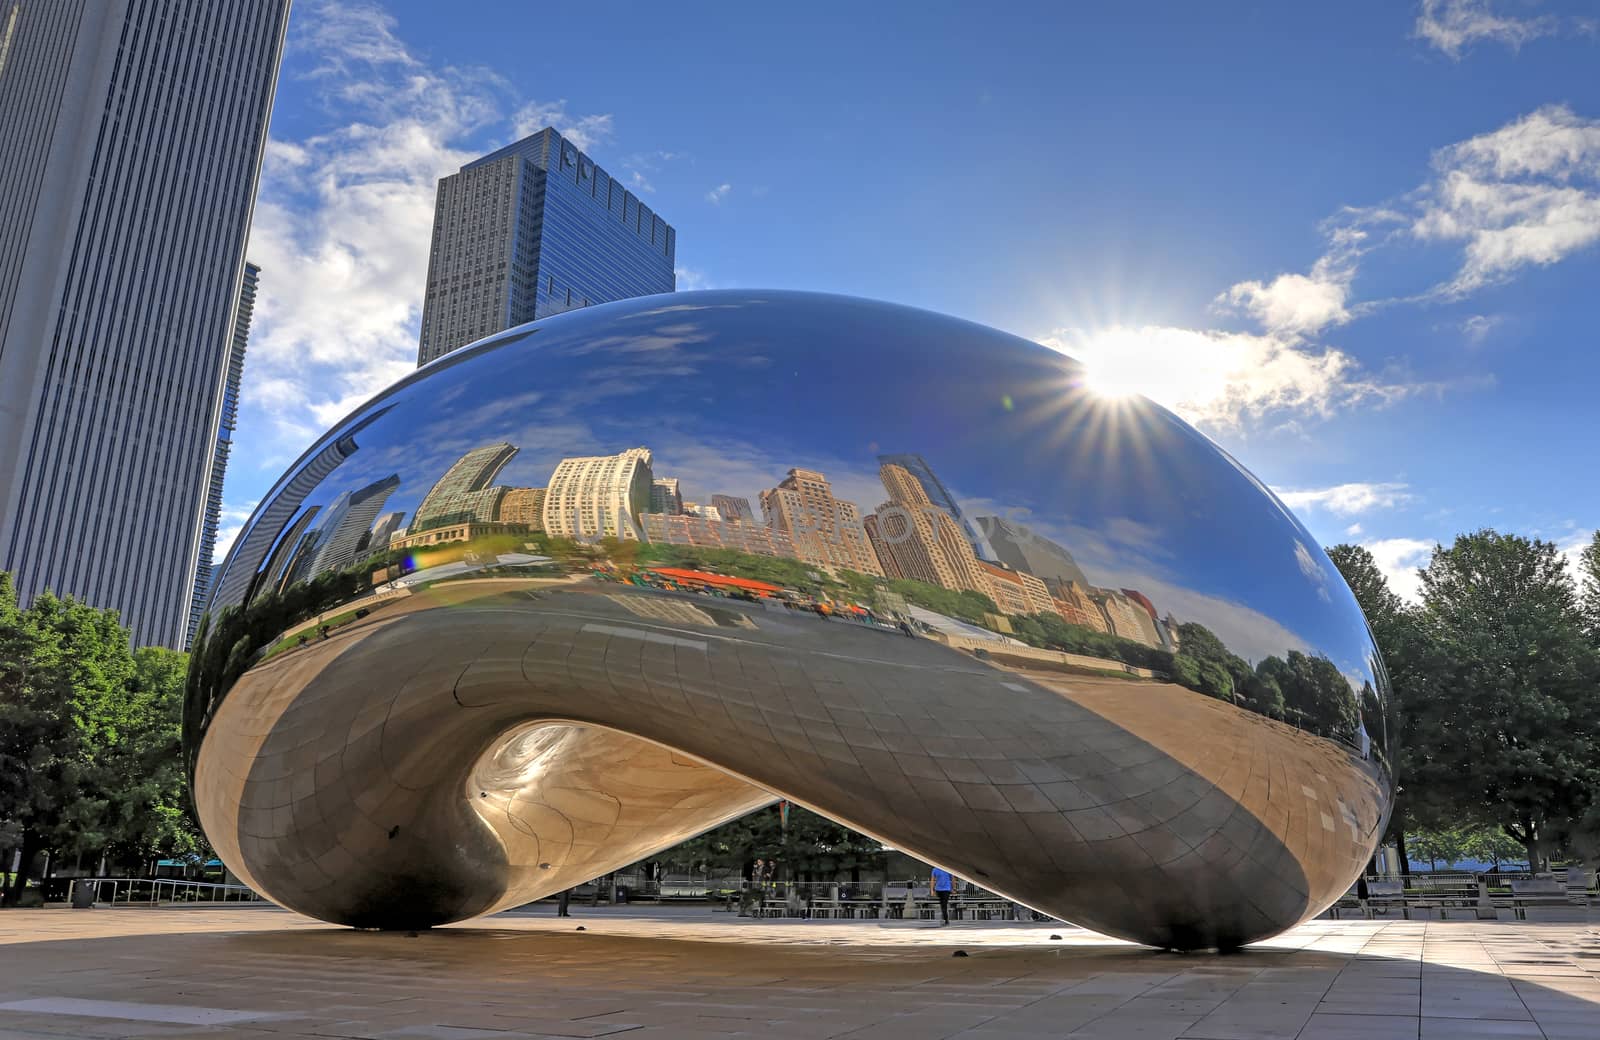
(822, 547)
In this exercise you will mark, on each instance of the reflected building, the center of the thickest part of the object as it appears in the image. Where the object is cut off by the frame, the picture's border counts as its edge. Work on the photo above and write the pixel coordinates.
(938, 538)
(348, 525)
(1077, 607)
(463, 532)
(826, 531)
(523, 506)
(874, 526)
(1127, 618)
(531, 230)
(934, 491)
(384, 530)
(665, 496)
(733, 508)
(599, 496)
(1015, 592)
(1022, 550)
(465, 493)
(1163, 631)
(281, 564)
(687, 529)
(270, 531)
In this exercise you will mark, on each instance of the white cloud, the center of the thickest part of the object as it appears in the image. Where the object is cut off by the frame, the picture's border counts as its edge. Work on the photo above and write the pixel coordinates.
(1571, 547)
(1293, 302)
(1304, 304)
(1525, 194)
(1345, 499)
(1453, 25)
(690, 279)
(1313, 570)
(1353, 530)
(587, 132)
(231, 521)
(717, 194)
(345, 215)
(1399, 560)
(639, 182)
(1477, 328)
(1222, 378)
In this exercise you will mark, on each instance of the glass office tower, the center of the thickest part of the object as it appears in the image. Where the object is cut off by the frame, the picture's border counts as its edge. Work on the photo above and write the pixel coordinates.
(531, 230)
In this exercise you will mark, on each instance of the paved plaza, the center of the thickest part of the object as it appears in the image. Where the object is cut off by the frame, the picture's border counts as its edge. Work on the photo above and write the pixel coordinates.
(265, 974)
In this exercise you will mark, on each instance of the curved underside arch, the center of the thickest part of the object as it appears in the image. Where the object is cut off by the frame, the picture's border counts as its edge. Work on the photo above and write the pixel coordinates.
(483, 744)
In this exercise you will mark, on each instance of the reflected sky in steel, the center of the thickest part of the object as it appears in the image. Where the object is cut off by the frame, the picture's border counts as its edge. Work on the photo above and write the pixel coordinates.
(414, 703)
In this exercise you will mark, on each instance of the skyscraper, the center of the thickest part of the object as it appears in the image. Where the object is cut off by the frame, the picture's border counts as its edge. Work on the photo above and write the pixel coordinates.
(262, 556)
(599, 496)
(132, 136)
(531, 230)
(219, 457)
(347, 535)
(940, 496)
(464, 493)
(826, 531)
(734, 508)
(1022, 550)
(928, 543)
(665, 497)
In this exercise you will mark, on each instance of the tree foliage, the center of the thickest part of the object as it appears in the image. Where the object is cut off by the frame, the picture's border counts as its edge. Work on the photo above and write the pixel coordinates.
(89, 761)
(1507, 706)
(811, 846)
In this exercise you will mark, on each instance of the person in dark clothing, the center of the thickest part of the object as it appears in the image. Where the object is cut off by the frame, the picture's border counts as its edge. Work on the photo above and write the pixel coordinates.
(561, 908)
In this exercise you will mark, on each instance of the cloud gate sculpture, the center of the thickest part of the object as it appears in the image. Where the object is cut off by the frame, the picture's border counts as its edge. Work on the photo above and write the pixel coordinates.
(593, 585)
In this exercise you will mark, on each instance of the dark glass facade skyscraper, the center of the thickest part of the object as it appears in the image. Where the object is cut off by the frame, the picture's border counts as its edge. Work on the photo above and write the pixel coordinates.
(131, 135)
(531, 230)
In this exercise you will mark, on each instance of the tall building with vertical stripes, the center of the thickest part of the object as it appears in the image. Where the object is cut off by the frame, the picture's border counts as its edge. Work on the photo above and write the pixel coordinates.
(531, 230)
(226, 424)
(131, 134)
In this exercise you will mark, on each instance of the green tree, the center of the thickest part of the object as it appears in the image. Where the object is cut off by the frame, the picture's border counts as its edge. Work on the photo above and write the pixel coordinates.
(1510, 718)
(149, 811)
(1589, 584)
(811, 847)
(1447, 845)
(1491, 845)
(1394, 626)
(89, 738)
(66, 668)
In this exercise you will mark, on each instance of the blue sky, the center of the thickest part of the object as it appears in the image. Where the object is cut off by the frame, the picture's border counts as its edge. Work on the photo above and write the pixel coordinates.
(1356, 244)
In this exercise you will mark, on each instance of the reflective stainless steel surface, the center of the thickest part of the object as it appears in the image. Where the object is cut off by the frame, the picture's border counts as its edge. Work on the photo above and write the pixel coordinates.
(569, 596)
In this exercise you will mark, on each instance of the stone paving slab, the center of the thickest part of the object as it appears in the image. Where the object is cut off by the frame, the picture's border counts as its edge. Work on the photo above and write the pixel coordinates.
(265, 974)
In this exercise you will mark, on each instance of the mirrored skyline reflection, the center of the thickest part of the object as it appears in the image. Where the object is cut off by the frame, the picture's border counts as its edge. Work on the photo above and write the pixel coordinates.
(901, 569)
(729, 392)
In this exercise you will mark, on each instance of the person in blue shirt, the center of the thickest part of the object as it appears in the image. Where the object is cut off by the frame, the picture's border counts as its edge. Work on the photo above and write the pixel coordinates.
(941, 883)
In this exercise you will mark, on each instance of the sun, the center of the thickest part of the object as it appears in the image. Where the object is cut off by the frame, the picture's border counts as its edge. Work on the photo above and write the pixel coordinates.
(1113, 366)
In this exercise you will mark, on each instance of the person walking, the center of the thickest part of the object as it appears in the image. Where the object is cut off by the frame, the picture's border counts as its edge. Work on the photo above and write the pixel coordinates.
(561, 908)
(940, 883)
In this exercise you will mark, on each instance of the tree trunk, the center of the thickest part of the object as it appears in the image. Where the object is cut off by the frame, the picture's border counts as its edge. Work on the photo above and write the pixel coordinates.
(1400, 851)
(30, 849)
(1531, 842)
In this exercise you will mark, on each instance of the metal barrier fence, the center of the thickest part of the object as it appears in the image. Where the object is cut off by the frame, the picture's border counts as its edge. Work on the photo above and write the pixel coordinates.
(160, 891)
